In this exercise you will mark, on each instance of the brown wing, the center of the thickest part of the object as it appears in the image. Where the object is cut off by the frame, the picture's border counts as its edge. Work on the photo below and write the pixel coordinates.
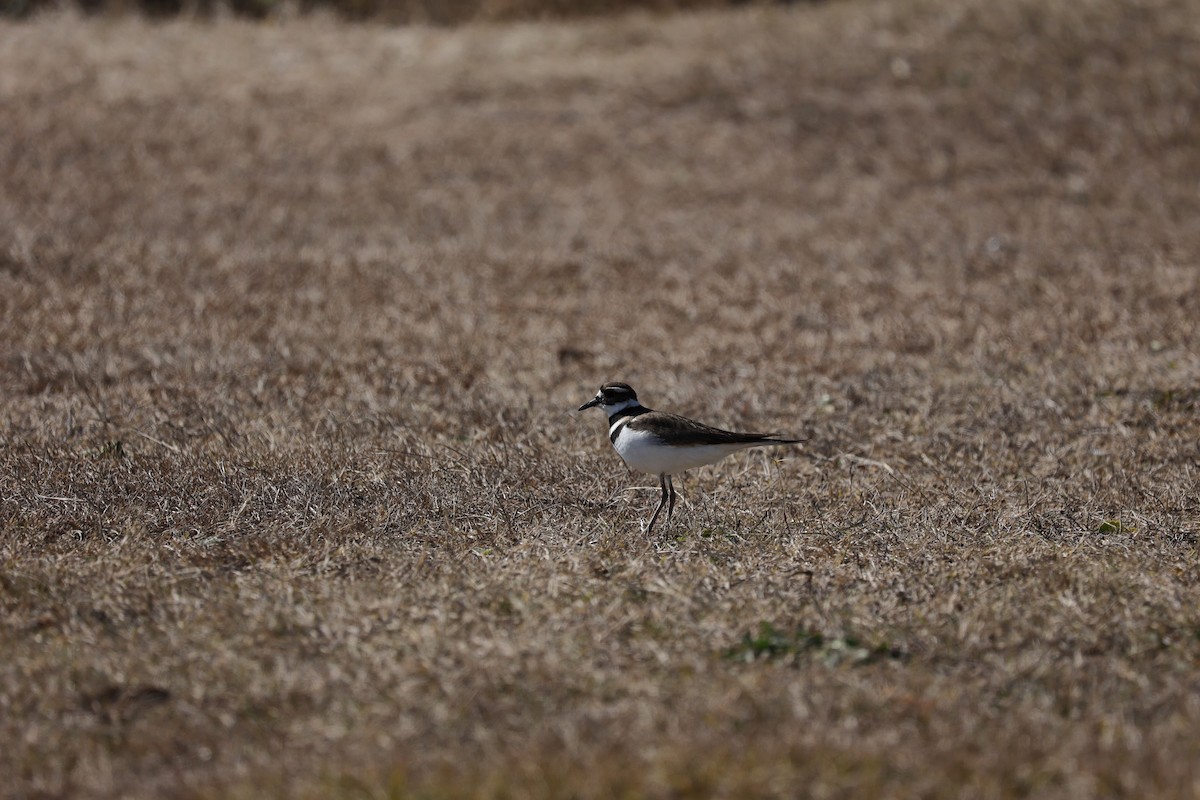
(683, 431)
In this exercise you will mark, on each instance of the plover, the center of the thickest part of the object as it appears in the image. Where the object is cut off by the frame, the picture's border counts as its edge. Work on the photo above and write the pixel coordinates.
(665, 444)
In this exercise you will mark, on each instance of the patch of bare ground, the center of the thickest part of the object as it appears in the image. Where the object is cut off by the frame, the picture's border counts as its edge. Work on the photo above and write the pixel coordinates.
(294, 503)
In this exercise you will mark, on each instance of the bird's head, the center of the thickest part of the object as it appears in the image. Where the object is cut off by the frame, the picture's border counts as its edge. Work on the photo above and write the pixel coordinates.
(613, 397)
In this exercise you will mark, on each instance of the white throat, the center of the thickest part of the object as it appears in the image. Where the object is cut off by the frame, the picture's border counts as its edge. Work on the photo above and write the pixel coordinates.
(621, 406)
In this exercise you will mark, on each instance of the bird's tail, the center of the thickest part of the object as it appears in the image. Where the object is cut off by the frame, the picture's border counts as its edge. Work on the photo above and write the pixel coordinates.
(769, 439)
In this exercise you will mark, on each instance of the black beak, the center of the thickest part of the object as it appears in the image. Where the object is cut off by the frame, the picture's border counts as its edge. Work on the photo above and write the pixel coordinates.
(595, 401)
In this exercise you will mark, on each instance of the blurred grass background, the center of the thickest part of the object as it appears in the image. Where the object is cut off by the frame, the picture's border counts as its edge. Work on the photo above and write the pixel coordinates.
(438, 12)
(294, 318)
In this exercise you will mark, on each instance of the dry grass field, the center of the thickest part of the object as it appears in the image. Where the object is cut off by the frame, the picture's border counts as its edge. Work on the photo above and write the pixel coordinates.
(428, 12)
(294, 501)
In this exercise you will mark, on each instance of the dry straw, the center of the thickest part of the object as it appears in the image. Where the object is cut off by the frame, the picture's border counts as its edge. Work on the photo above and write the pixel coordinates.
(293, 502)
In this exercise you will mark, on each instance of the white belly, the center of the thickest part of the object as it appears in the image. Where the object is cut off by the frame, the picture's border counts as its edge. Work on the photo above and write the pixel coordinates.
(645, 453)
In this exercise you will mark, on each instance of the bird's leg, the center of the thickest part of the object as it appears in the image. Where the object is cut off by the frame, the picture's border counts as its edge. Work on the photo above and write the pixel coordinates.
(662, 479)
(671, 500)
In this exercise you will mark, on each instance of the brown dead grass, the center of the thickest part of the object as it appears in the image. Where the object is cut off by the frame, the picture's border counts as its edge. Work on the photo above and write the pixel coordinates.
(435, 12)
(294, 317)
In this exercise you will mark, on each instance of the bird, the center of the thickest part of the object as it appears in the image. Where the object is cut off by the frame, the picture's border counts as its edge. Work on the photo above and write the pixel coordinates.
(665, 444)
